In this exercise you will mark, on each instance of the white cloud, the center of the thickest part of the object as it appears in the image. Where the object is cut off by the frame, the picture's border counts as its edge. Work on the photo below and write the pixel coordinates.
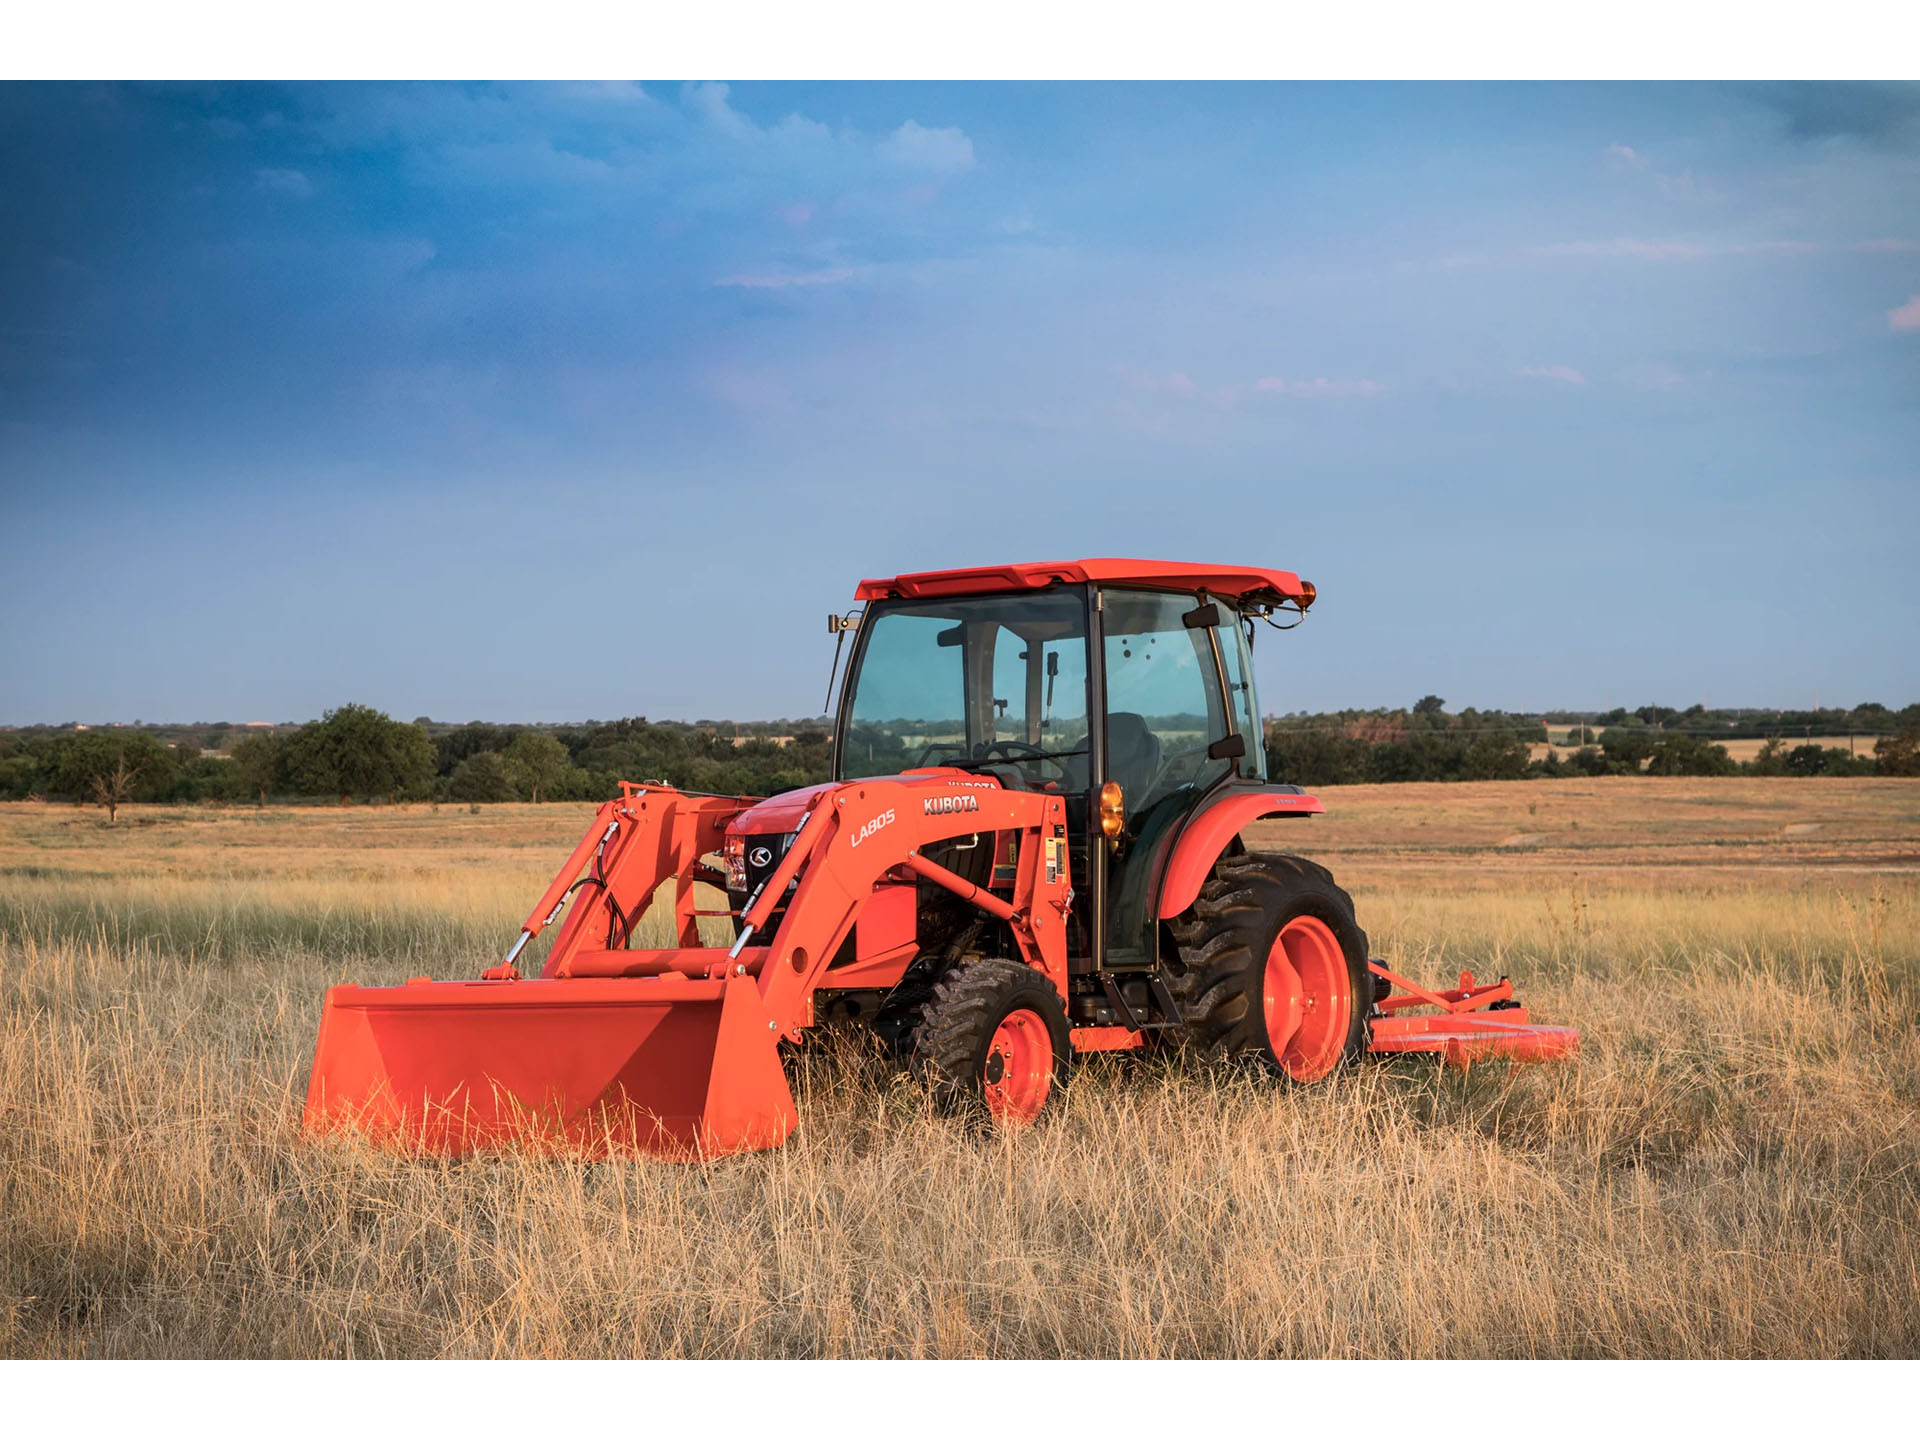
(1905, 317)
(291, 183)
(708, 100)
(1626, 153)
(916, 147)
(1566, 374)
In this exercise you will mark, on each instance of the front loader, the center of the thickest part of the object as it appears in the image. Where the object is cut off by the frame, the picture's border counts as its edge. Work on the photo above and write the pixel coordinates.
(1031, 849)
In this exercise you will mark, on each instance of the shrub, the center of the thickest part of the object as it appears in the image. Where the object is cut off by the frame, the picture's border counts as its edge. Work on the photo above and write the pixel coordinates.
(1898, 754)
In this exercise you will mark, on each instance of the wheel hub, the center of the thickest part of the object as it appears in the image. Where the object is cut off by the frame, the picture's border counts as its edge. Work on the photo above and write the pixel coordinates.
(1307, 997)
(1018, 1073)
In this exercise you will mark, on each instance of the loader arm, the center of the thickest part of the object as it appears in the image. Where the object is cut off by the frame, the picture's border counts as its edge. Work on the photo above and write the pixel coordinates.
(852, 842)
(651, 834)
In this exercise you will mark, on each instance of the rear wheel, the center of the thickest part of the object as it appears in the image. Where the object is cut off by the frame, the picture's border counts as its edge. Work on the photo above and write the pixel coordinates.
(1273, 966)
(992, 1041)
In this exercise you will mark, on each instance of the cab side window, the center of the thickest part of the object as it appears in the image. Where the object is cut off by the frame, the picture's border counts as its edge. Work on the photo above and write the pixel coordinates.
(1164, 704)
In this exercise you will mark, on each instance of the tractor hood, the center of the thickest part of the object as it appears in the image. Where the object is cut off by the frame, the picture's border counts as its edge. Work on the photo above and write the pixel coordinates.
(781, 814)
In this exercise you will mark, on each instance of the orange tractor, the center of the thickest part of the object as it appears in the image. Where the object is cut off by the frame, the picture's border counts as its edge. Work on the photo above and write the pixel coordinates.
(1031, 849)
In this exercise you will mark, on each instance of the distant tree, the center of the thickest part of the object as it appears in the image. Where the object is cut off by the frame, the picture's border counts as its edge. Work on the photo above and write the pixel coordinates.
(1495, 757)
(1429, 705)
(1627, 746)
(1813, 759)
(20, 776)
(1690, 755)
(1898, 754)
(1314, 757)
(112, 785)
(482, 778)
(453, 746)
(1592, 760)
(137, 764)
(538, 764)
(357, 750)
(410, 758)
(259, 761)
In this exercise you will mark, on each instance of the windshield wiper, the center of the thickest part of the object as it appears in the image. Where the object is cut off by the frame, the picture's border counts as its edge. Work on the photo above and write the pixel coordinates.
(1012, 759)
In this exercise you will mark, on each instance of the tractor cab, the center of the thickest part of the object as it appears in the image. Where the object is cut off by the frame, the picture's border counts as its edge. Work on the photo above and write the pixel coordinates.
(1126, 687)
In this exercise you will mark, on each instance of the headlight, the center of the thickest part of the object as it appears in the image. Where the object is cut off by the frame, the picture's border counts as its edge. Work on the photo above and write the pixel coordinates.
(735, 852)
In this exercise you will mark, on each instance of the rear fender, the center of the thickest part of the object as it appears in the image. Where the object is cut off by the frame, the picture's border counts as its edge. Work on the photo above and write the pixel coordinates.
(1210, 829)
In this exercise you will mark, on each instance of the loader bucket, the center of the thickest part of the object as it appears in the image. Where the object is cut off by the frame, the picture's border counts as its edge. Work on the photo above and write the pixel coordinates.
(673, 1067)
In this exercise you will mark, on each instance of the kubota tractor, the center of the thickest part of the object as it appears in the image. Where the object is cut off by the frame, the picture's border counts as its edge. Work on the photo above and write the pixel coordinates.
(1030, 849)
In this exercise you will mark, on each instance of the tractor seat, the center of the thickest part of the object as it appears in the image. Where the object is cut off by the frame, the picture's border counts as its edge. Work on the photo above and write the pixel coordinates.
(1133, 755)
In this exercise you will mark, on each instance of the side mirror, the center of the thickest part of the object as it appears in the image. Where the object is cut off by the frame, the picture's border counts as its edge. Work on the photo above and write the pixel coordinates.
(1233, 747)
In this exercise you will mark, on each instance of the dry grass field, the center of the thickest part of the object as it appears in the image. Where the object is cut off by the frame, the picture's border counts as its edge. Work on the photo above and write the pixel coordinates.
(1731, 1169)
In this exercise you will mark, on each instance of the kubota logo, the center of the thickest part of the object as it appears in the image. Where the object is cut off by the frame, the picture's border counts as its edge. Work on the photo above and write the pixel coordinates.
(879, 822)
(759, 856)
(950, 804)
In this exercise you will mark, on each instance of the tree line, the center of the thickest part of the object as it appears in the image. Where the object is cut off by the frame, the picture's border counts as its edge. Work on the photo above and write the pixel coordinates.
(1427, 743)
(358, 753)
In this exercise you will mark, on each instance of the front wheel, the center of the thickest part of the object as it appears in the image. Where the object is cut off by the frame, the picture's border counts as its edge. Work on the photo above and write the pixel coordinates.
(992, 1041)
(1272, 965)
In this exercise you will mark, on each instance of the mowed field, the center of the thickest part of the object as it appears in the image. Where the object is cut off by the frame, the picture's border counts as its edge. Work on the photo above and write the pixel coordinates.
(1732, 1168)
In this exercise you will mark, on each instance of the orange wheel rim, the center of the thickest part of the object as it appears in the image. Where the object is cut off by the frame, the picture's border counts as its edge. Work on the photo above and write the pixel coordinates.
(1308, 998)
(1019, 1068)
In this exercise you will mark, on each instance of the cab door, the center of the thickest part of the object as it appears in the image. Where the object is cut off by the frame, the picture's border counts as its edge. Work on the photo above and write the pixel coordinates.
(1163, 708)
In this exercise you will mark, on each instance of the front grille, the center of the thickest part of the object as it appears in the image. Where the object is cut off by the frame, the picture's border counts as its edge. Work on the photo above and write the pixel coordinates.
(763, 854)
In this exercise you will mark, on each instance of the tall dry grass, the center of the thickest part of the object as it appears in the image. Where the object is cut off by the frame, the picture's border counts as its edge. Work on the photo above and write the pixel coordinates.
(1732, 1168)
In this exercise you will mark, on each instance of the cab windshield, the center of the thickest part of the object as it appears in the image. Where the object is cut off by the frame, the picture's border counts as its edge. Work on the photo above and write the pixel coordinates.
(988, 681)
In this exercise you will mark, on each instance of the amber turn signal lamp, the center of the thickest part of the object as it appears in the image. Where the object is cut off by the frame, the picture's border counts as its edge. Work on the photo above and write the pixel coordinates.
(1307, 592)
(1113, 810)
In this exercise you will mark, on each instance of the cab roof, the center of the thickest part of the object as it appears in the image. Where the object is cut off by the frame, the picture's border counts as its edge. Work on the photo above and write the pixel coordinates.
(1227, 581)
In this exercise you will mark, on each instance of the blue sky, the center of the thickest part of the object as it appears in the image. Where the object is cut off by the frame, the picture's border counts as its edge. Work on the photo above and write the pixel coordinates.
(547, 402)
